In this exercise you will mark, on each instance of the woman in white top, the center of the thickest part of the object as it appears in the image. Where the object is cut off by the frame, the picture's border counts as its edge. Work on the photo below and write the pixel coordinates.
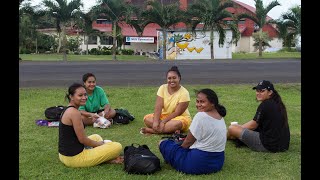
(202, 152)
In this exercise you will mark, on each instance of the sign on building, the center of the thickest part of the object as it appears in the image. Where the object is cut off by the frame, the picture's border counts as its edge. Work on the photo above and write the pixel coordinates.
(140, 39)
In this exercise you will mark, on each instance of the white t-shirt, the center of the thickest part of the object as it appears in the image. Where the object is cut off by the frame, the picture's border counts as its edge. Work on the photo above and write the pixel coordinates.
(210, 133)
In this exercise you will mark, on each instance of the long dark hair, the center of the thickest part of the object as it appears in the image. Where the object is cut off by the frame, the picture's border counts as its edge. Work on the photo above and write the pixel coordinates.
(175, 69)
(213, 98)
(283, 110)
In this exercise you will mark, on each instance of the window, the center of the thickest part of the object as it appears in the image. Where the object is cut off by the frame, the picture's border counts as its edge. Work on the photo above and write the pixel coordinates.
(106, 40)
(102, 21)
(241, 21)
(255, 27)
(228, 21)
(92, 40)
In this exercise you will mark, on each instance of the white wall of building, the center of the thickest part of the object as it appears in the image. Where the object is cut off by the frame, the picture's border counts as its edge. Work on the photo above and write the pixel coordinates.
(144, 47)
(197, 46)
(225, 51)
(246, 44)
(276, 43)
(83, 46)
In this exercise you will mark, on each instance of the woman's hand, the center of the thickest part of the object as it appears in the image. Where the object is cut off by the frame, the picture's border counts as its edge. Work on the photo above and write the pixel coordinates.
(101, 114)
(94, 116)
(155, 125)
(161, 126)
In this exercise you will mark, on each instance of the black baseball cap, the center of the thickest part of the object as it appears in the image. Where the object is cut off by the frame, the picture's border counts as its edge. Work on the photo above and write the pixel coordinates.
(264, 84)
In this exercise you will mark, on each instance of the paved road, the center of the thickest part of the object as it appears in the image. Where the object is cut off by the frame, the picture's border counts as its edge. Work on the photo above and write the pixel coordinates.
(135, 73)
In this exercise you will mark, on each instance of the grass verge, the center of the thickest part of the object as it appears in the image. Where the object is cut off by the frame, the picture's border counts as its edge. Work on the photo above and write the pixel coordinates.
(38, 146)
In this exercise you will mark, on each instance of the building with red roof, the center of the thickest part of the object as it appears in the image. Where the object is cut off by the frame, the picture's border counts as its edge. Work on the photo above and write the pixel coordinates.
(149, 40)
(246, 28)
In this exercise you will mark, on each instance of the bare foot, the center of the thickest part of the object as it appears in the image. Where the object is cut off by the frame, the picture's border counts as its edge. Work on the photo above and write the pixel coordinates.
(147, 131)
(117, 160)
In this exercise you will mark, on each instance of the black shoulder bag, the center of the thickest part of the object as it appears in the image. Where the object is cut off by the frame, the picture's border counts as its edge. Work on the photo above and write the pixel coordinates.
(140, 160)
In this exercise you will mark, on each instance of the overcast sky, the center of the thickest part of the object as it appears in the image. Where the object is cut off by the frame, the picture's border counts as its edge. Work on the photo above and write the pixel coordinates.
(274, 13)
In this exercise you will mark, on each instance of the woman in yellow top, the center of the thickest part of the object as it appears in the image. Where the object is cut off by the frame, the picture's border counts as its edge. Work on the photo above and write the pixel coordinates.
(171, 112)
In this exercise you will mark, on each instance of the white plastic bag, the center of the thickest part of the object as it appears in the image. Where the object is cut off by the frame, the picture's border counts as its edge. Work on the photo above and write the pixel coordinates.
(102, 122)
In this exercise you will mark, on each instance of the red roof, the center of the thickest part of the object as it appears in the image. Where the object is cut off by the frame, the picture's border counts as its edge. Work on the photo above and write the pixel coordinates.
(104, 28)
(127, 30)
(151, 29)
(250, 8)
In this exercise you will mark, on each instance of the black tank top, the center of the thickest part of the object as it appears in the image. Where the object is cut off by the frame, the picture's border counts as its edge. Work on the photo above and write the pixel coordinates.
(69, 144)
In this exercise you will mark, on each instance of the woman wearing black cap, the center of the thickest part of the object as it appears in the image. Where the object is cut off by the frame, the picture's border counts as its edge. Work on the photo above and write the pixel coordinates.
(268, 131)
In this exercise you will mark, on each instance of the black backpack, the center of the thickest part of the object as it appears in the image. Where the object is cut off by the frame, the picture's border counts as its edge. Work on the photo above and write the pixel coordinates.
(122, 116)
(140, 160)
(53, 113)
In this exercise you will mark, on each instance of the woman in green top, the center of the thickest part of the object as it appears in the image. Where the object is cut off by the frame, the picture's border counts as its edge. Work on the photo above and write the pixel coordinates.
(97, 101)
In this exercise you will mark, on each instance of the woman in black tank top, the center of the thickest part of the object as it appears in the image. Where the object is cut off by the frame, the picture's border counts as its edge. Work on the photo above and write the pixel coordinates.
(73, 142)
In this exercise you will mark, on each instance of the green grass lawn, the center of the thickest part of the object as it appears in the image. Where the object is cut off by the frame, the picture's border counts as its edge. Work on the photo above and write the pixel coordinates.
(71, 57)
(38, 146)
(267, 55)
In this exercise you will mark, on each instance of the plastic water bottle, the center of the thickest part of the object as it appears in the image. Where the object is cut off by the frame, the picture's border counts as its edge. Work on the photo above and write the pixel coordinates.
(234, 123)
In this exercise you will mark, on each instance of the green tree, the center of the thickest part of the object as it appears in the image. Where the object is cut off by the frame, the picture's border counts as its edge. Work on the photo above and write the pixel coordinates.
(261, 18)
(165, 15)
(213, 14)
(263, 37)
(45, 42)
(134, 18)
(28, 24)
(292, 20)
(85, 23)
(115, 12)
(64, 13)
(73, 43)
(284, 34)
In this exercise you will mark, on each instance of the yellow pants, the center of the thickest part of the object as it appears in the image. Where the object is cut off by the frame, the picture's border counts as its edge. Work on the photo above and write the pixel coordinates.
(184, 120)
(94, 156)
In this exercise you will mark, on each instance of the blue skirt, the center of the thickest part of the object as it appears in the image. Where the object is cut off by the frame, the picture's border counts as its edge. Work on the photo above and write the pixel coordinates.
(191, 161)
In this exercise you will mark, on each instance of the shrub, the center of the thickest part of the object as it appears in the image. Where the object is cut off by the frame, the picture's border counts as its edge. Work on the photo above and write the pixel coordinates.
(25, 51)
(288, 49)
(127, 51)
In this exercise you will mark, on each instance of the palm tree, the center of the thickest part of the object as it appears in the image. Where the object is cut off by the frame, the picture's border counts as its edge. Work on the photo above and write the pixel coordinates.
(284, 34)
(20, 1)
(213, 14)
(292, 20)
(31, 15)
(165, 15)
(64, 13)
(135, 19)
(85, 23)
(261, 17)
(114, 11)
